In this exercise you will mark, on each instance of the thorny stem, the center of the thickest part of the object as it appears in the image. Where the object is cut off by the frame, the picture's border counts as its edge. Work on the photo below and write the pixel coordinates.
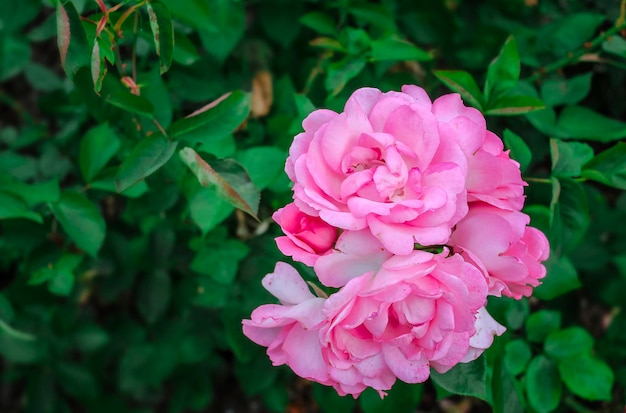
(573, 57)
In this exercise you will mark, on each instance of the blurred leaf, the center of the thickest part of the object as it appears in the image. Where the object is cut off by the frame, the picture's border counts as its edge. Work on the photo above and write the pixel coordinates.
(220, 262)
(330, 402)
(162, 33)
(71, 38)
(17, 350)
(561, 277)
(225, 27)
(231, 180)
(280, 20)
(517, 355)
(153, 295)
(13, 333)
(43, 78)
(397, 49)
(97, 148)
(131, 103)
(503, 74)
(146, 158)
(402, 398)
(570, 32)
(587, 377)
(90, 337)
(519, 149)
(77, 381)
(339, 73)
(320, 22)
(81, 220)
(15, 54)
(12, 206)
(540, 324)
(561, 91)
(466, 379)
(462, 82)
(615, 45)
(570, 342)
(569, 157)
(608, 167)
(595, 127)
(543, 384)
(514, 105)
(214, 121)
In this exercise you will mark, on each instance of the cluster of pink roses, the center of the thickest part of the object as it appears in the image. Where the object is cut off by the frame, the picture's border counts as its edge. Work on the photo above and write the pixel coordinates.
(411, 209)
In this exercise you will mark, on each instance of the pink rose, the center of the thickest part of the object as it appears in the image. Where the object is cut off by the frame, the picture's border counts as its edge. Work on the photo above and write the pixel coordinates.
(355, 253)
(504, 247)
(418, 311)
(492, 176)
(486, 329)
(307, 237)
(290, 331)
(381, 165)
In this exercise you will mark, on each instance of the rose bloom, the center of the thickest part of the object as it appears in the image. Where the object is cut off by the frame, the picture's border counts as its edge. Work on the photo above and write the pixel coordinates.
(418, 311)
(492, 176)
(508, 251)
(381, 165)
(306, 237)
(290, 330)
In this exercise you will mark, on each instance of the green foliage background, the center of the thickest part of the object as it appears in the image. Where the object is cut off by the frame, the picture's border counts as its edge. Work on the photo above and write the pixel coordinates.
(125, 269)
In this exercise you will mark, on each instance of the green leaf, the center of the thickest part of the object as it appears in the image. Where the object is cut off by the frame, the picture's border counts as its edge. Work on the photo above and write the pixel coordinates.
(81, 220)
(220, 262)
(15, 55)
(98, 67)
(542, 323)
(263, 164)
(463, 83)
(105, 181)
(320, 22)
(578, 122)
(569, 342)
(162, 33)
(569, 157)
(12, 206)
(214, 121)
(615, 45)
(503, 73)
(339, 73)
(397, 49)
(97, 148)
(608, 167)
(153, 295)
(17, 349)
(207, 208)
(77, 381)
(587, 377)
(13, 333)
(561, 277)
(224, 28)
(90, 337)
(561, 91)
(519, 149)
(517, 354)
(466, 379)
(570, 217)
(330, 402)
(147, 157)
(514, 105)
(131, 103)
(71, 38)
(543, 385)
(231, 180)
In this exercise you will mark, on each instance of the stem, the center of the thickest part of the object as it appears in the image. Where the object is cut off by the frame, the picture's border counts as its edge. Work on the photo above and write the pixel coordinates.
(539, 180)
(134, 55)
(573, 57)
(159, 127)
